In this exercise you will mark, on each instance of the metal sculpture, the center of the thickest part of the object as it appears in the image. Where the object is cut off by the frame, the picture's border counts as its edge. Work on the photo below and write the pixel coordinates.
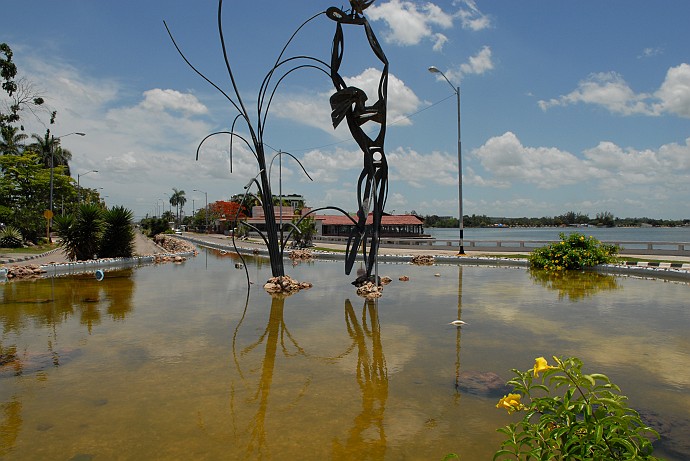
(348, 103)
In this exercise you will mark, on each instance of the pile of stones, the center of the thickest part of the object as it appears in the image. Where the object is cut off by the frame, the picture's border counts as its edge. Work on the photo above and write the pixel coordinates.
(301, 255)
(30, 270)
(161, 258)
(423, 260)
(174, 245)
(370, 290)
(285, 285)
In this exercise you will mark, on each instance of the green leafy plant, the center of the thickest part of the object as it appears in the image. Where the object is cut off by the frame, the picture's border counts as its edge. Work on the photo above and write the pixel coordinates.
(80, 233)
(10, 237)
(571, 415)
(117, 240)
(574, 251)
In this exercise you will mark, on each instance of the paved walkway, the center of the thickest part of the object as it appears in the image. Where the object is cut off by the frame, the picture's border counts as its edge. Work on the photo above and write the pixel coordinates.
(142, 246)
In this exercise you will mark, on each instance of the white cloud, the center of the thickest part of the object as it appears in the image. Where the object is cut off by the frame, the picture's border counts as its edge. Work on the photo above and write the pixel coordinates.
(607, 89)
(546, 167)
(439, 168)
(650, 52)
(315, 109)
(674, 93)
(611, 91)
(160, 100)
(478, 64)
(326, 167)
(623, 177)
(410, 23)
(471, 18)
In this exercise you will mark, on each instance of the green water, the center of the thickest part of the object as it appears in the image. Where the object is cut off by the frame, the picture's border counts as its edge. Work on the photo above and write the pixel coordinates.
(172, 362)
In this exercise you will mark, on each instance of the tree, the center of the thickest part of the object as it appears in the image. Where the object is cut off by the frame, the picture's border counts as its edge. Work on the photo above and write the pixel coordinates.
(21, 93)
(178, 199)
(228, 210)
(307, 229)
(11, 142)
(605, 219)
(24, 191)
(118, 236)
(48, 148)
(81, 233)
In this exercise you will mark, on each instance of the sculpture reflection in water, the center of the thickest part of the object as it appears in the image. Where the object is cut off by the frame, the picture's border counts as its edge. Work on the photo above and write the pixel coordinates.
(348, 103)
(371, 377)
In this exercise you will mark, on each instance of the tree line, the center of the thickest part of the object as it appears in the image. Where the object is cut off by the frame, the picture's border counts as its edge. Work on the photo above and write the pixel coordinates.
(571, 218)
(35, 173)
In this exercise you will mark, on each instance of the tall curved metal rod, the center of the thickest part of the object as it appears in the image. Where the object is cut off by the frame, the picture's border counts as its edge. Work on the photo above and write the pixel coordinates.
(345, 213)
(262, 89)
(198, 72)
(280, 55)
(232, 130)
(262, 122)
(243, 109)
(296, 160)
(270, 166)
(231, 133)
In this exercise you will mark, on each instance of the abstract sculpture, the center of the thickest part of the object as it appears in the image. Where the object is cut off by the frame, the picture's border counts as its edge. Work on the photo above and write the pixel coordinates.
(348, 103)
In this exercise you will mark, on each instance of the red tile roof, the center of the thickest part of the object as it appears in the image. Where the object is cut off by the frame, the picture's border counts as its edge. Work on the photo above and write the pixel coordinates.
(394, 220)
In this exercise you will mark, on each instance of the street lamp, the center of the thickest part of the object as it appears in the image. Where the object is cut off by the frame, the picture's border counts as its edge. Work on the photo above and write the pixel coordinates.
(79, 177)
(52, 165)
(456, 90)
(206, 213)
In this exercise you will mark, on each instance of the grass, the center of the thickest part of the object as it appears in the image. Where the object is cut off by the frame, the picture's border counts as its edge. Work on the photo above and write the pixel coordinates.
(34, 250)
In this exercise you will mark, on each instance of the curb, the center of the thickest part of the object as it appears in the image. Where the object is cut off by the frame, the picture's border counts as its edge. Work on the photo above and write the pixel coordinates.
(668, 271)
(29, 258)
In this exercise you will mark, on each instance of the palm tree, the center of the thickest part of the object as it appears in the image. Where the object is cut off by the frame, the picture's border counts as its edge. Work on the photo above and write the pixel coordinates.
(11, 142)
(178, 199)
(43, 147)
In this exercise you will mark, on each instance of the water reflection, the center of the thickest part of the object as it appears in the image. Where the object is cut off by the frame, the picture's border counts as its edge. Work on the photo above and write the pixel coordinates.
(10, 424)
(366, 438)
(201, 369)
(575, 285)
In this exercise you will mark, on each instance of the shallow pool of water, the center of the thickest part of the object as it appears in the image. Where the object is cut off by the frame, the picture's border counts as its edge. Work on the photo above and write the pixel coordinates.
(175, 362)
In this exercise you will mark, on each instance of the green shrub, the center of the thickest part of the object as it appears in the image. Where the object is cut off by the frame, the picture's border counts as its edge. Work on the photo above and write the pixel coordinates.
(117, 240)
(571, 415)
(574, 251)
(80, 234)
(10, 237)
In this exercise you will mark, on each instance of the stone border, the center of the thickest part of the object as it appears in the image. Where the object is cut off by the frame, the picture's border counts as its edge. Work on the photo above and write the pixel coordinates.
(28, 258)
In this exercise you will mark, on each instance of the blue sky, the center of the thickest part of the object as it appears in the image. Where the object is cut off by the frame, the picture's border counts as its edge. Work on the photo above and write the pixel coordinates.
(566, 106)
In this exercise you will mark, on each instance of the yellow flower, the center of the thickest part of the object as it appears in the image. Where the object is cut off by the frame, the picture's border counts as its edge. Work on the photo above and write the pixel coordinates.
(540, 365)
(510, 402)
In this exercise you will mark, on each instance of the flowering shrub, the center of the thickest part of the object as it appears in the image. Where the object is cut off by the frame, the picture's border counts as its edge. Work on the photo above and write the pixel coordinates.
(574, 251)
(571, 415)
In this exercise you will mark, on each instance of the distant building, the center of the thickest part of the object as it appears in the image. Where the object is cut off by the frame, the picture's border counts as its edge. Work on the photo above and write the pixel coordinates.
(409, 226)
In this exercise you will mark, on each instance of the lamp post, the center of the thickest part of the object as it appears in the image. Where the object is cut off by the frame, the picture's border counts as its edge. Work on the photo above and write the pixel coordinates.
(456, 90)
(206, 213)
(52, 167)
(79, 177)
